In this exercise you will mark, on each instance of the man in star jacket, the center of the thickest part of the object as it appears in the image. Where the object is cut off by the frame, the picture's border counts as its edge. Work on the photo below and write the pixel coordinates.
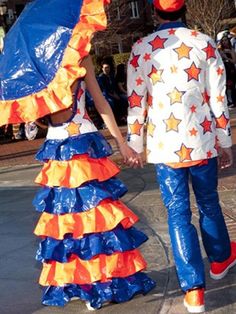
(176, 84)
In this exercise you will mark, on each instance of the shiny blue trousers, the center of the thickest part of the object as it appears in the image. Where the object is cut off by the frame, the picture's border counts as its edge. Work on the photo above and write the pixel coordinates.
(174, 186)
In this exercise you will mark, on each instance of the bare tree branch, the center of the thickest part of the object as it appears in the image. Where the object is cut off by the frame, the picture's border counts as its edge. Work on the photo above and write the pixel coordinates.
(208, 14)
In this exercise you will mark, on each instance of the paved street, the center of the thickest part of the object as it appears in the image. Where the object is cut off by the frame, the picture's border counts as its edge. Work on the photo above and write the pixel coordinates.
(19, 291)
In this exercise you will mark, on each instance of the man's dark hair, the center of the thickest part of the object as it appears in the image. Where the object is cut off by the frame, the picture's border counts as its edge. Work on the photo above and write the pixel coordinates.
(172, 16)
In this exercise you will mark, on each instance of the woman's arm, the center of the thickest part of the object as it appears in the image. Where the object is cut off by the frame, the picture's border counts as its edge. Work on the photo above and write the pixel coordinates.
(106, 113)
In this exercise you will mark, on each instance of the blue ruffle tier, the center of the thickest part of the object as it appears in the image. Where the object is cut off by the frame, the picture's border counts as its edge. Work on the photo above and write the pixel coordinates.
(94, 144)
(109, 242)
(59, 200)
(117, 290)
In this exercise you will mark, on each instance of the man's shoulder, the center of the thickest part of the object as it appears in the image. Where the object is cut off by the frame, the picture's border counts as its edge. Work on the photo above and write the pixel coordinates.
(198, 35)
(140, 43)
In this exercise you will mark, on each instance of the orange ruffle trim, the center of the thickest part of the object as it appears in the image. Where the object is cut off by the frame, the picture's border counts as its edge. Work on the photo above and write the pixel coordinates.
(100, 268)
(74, 172)
(106, 216)
(57, 95)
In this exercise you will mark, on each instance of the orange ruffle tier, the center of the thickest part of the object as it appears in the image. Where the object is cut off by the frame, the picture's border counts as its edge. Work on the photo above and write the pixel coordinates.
(57, 95)
(106, 216)
(73, 173)
(100, 268)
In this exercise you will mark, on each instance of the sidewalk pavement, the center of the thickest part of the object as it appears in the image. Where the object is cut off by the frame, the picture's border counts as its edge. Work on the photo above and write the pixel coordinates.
(19, 291)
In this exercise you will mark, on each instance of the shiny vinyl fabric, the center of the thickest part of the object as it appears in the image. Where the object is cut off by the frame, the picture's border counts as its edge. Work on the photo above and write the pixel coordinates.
(106, 216)
(93, 143)
(88, 233)
(59, 200)
(116, 290)
(99, 268)
(76, 171)
(42, 55)
(184, 239)
(108, 242)
(34, 47)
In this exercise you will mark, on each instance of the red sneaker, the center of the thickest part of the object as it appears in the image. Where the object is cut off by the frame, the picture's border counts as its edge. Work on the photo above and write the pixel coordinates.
(219, 270)
(194, 300)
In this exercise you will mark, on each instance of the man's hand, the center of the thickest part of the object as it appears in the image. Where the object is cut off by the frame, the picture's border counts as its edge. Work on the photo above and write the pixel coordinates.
(225, 158)
(130, 157)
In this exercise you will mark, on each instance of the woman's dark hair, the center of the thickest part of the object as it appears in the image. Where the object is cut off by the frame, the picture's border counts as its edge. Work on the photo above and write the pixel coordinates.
(172, 16)
(120, 73)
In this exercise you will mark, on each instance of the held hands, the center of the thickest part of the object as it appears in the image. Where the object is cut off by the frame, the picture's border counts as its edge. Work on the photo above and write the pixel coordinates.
(130, 157)
(225, 158)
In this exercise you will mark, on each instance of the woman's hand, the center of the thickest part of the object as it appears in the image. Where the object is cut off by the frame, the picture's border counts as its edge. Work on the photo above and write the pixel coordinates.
(130, 157)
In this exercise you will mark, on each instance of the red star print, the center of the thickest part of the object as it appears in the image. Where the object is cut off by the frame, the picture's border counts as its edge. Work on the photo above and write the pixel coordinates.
(220, 71)
(210, 51)
(209, 154)
(147, 57)
(194, 33)
(193, 72)
(139, 81)
(158, 43)
(135, 100)
(149, 100)
(193, 108)
(205, 97)
(139, 41)
(134, 61)
(80, 93)
(206, 124)
(172, 31)
(184, 153)
(193, 132)
(86, 116)
(222, 122)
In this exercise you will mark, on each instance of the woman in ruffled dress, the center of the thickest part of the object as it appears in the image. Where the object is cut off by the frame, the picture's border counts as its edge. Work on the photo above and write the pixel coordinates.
(89, 248)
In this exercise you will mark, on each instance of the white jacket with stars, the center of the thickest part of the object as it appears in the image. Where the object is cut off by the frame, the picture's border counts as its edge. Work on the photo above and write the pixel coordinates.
(176, 82)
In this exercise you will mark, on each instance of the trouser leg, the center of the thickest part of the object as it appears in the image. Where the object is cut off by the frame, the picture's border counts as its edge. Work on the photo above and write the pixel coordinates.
(184, 239)
(212, 224)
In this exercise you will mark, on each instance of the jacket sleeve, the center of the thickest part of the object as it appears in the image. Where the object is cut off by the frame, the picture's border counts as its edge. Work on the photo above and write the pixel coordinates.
(137, 95)
(216, 91)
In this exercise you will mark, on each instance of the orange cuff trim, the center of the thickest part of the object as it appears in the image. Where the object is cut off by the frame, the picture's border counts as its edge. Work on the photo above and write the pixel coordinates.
(74, 172)
(186, 164)
(102, 218)
(57, 95)
(101, 268)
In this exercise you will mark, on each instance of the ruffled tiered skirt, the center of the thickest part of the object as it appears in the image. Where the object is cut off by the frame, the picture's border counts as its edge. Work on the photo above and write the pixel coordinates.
(89, 245)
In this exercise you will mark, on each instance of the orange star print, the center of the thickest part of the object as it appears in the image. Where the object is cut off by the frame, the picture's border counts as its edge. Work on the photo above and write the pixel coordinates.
(183, 51)
(222, 122)
(184, 153)
(135, 128)
(193, 72)
(73, 129)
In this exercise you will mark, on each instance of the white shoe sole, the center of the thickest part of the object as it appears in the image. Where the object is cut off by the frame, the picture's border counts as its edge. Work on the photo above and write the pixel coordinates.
(89, 307)
(194, 309)
(223, 274)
